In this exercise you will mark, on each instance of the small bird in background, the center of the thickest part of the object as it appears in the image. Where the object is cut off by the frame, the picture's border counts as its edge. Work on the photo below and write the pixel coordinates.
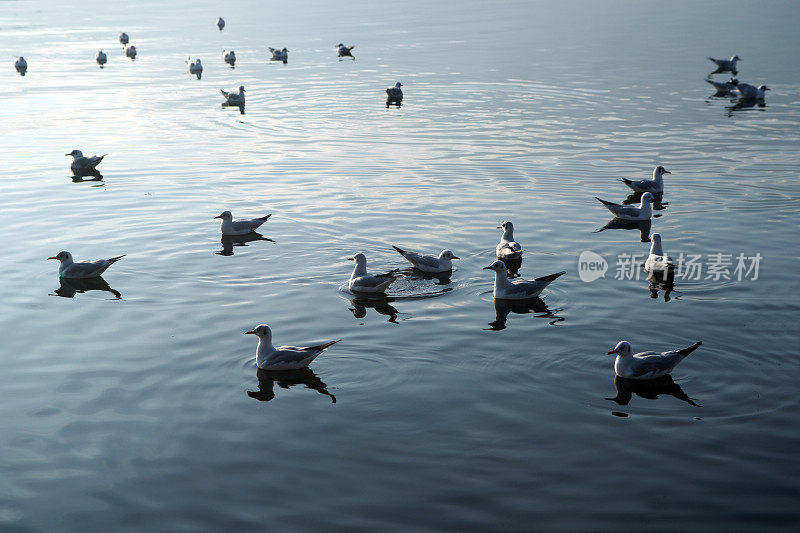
(508, 247)
(654, 185)
(123, 38)
(82, 164)
(505, 289)
(751, 92)
(229, 57)
(220, 23)
(233, 97)
(726, 65)
(101, 58)
(82, 269)
(21, 65)
(279, 55)
(361, 281)
(395, 93)
(647, 365)
(631, 212)
(429, 263)
(195, 67)
(228, 226)
(283, 357)
(723, 88)
(345, 51)
(130, 51)
(657, 262)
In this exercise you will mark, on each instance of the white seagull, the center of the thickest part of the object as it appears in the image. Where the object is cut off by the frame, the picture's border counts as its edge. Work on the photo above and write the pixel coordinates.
(395, 92)
(505, 289)
(751, 92)
(344, 51)
(724, 65)
(21, 65)
(279, 55)
(234, 98)
(283, 357)
(429, 263)
(195, 67)
(654, 185)
(647, 365)
(360, 281)
(101, 58)
(657, 261)
(228, 226)
(723, 87)
(229, 57)
(220, 23)
(83, 269)
(631, 212)
(84, 164)
(508, 248)
(130, 51)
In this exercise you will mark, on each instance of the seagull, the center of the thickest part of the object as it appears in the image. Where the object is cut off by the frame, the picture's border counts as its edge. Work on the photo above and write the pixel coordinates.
(123, 38)
(344, 51)
(21, 65)
(239, 227)
(101, 58)
(84, 164)
(647, 365)
(508, 248)
(429, 263)
(234, 98)
(283, 357)
(130, 51)
(723, 87)
(654, 185)
(631, 212)
(505, 289)
(195, 67)
(360, 281)
(657, 261)
(750, 92)
(220, 23)
(229, 57)
(395, 92)
(83, 269)
(724, 65)
(279, 55)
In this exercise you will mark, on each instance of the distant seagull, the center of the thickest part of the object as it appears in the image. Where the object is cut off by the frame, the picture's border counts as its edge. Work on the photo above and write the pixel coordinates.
(508, 247)
(82, 164)
(220, 23)
(283, 357)
(647, 365)
(83, 269)
(631, 212)
(360, 281)
(21, 65)
(239, 227)
(657, 262)
(234, 98)
(505, 289)
(429, 263)
(395, 93)
(654, 185)
(229, 57)
(726, 65)
(279, 55)
(123, 38)
(101, 58)
(130, 51)
(344, 51)
(750, 92)
(195, 67)
(723, 88)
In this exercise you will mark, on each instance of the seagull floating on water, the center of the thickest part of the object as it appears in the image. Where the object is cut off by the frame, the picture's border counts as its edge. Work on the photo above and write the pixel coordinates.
(751, 92)
(631, 212)
(130, 51)
(505, 289)
(220, 23)
(725, 65)
(195, 67)
(654, 185)
(283, 357)
(395, 93)
(344, 51)
(508, 248)
(360, 281)
(234, 98)
(279, 55)
(21, 65)
(84, 164)
(229, 57)
(228, 226)
(101, 58)
(723, 87)
(123, 38)
(657, 262)
(647, 365)
(83, 269)
(429, 263)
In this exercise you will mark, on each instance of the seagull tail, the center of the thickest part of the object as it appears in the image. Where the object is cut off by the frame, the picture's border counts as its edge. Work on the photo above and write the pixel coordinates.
(551, 277)
(604, 202)
(224, 93)
(712, 59)
(115, 259)
(710, 82)
(324, 345)
(399, 250)
(626, 181)
(265, 218)
(390, 274)
(686, 351)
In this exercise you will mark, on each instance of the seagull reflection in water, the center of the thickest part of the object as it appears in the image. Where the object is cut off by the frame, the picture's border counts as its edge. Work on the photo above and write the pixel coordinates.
(658, 200)
(650, 389)
(287, 379)
(502, 308)
(620, 223)
(229, 241)
(381, 304)
(660, 281)
(745, 103)
(513, 264)
(72, 286)
(241, 107)
(87, 175)
(396, 102)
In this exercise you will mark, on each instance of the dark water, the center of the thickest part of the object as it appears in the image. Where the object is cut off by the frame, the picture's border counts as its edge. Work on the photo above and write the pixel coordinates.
(451, 412)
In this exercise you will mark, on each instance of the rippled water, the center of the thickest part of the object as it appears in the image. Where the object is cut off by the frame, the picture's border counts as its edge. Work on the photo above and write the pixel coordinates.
(133, 403)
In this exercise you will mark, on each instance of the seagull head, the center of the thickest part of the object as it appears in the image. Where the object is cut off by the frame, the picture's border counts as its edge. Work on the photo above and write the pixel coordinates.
(339, 45)
(655, 238)
(241, 88)
(62, 256)
(763, 88)
(21, 58)
(75, 153)
(261, 331)
(662, 170)
(284, 50)
(358, 258)
(736, 58)
(447, 254)
(622, 348)
(734, 82)
(647, 198)
(498, 266)
(507, 226)
(225, 215)
(398, 84)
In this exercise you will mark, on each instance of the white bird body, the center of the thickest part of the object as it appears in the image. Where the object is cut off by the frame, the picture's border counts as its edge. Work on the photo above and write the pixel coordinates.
(82, 269)
(84, 164)
(228, 226)
(279, 55)
(429, 263)
(234, 98)
(655, 185)
(657, 261)
(361, 281)
(723, 87)
(130, 51)
(229, 57)
(195, 67)
(508, 248)
(647, 365)
(220, 23)
(101, 58)
(631, 212)
(751, 92)
(283, 357)
(395, 92)
(123, 38)
(21, 65)
(726, 64)
(344, 50)
(506, 289)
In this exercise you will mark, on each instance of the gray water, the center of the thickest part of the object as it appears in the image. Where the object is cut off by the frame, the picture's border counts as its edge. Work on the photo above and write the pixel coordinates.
(127, 407)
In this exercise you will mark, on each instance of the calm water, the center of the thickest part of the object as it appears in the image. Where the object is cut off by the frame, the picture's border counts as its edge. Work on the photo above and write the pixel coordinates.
(450, 412)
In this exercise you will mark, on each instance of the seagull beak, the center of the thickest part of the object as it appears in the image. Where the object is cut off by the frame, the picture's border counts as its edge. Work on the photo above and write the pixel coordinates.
(52, 258)
(251, 332)
(667, 172)
(612, 351)
(487, 268)
(499, 227)
(351, 258)
(455, 257)
(218, 216)
(67, 154)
